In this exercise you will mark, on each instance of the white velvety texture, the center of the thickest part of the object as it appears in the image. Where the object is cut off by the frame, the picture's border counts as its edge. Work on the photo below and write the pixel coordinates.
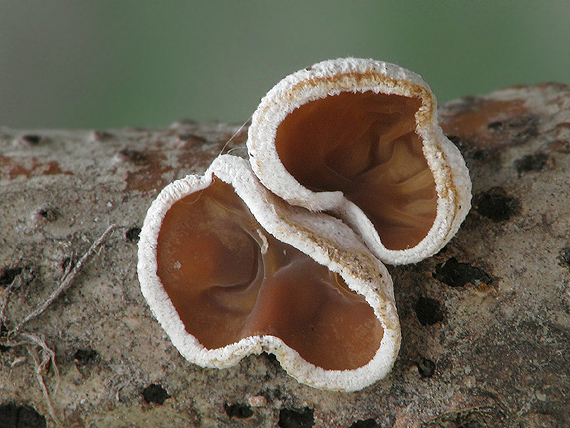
(326, 239)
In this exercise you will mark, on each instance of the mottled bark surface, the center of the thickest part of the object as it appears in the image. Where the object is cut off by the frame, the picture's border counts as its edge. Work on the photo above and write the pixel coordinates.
(485, 323)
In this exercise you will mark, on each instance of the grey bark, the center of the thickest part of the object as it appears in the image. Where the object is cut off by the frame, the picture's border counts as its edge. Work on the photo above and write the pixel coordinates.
(485, 323)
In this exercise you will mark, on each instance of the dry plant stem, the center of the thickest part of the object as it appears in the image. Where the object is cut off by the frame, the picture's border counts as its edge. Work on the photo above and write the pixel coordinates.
(48, 353)
(41, 366)
(67, 279)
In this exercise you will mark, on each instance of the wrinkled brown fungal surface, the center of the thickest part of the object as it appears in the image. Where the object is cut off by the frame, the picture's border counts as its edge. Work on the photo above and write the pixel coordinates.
(365, 145)
(229, 279)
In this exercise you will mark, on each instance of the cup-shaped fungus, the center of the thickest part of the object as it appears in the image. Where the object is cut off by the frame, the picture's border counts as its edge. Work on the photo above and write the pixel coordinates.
(360, 139)
(229, 269)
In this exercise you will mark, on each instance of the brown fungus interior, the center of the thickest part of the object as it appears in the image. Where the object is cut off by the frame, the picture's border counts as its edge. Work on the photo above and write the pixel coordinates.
(365, 145)
(229, 279)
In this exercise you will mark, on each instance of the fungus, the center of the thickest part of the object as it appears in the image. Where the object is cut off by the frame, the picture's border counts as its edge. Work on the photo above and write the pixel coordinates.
(360, 139)
(229, 280)
(348, 168)
(229, 269)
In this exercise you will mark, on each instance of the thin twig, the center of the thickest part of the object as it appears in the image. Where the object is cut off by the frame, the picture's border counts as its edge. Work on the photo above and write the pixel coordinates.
(48, 356)
(67, 279)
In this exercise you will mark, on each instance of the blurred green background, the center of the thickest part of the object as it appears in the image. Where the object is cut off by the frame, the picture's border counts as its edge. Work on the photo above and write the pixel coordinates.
(113, 63)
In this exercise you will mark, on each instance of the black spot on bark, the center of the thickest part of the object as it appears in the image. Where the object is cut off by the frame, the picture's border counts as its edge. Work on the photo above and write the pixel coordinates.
(133, 234)
(86, 356)
(16, 277)
(8, 275)
(238, 410)
(532, 162)
(456, 274)
(50, 214)
(135, 156)
(15, 416)
(289, 418)
(155, 394)
(426, 367)
(496, 205)
(365, 423)
(428, 311)
(3, 332)
(32, 139)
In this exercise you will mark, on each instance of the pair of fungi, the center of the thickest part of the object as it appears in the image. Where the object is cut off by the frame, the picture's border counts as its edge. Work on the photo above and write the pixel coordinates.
(284, 254)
